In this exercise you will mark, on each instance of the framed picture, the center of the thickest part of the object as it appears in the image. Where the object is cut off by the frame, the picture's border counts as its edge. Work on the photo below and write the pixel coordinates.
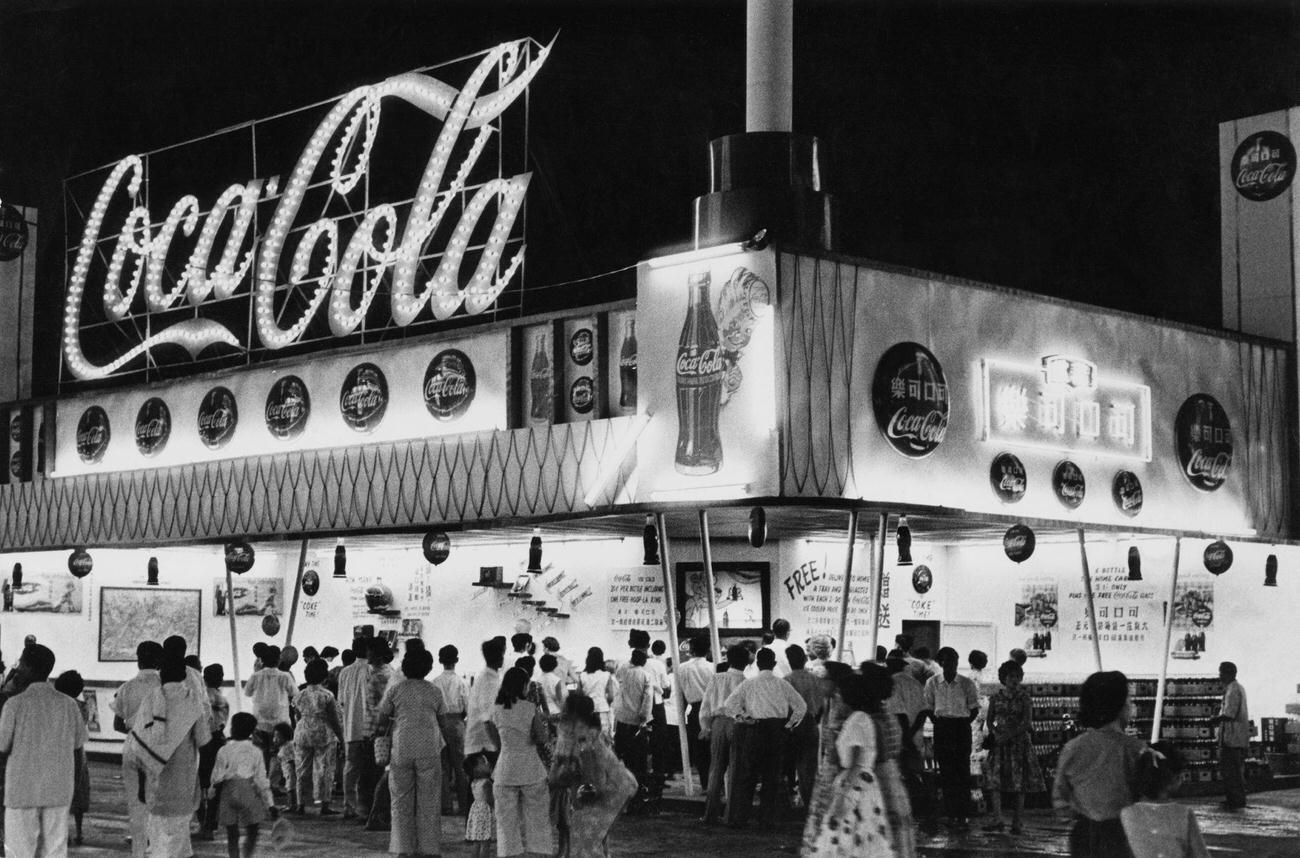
(46, 593)
(741, 594)
(254, 597)
(128, 615)
(90, 710)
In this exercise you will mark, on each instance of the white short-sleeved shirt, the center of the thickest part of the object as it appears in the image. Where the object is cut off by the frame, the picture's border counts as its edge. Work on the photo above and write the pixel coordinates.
(37, 728)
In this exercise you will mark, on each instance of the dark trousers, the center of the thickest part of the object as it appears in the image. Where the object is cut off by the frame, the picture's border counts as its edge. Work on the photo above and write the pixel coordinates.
(207, 761)
(360, 777)
(760, 747)
(952, 752)
(698, 747)
(802, 755)
(1092, 839)
(632, 746)
(1232, 768)
(661, 750)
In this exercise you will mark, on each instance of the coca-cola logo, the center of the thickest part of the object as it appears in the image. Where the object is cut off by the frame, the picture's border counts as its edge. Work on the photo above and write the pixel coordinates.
(16, 429)
(1203, 436)
(580, 346)
(922, 579)
(702, 365)
(1019, 543)
(909, 395)
(449, 385)
(1218, 557)
(436, 546)
(1068, 484)
(1126, 490)
(153, 426)
(364, 397)
(310, 583)
(288, 407)
(80, 563)
(13, 233)
(218, 417)
(1263, 166)
(1007, 477)
(582, 395)
(16, 469)
(93, 434)
(239, 556)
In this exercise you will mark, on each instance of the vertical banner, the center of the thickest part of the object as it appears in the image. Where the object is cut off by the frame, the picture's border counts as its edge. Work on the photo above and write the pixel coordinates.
(581, 397)
(538, 376)
(1193, 615)
(1037, 615)
(706, 334)
(17, 298)
(621, 374)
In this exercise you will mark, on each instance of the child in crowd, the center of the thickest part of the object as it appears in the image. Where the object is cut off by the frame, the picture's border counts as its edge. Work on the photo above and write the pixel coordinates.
(1156, 826)
(286, 763)
(239, 777)
(71, 684)
(480, 823)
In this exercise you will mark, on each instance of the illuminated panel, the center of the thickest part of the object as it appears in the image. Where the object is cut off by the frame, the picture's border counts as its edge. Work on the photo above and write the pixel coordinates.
(1065, 405)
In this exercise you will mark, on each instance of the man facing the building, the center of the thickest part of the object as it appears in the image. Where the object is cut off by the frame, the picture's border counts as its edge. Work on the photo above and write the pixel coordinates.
(126, 702)
(952, 701)
(765, 708)
(455, 695)
(1234, 737)
(633, 706)
(357, 757)
(693, 677)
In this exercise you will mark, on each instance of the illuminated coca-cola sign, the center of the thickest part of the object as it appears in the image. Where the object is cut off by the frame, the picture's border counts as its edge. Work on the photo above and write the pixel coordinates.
(1203, 437)
(13, 233)
(449, 385)
(143, 257)
(93, 434)
(1008, 478)
(288, 407)
(218, 417)
(364, 397)
(909, 395)
(153, 426)
(1263, 166)
(1068, 484)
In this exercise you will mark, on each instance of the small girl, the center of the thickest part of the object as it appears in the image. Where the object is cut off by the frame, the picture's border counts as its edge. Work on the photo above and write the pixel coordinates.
(71, 684)
(239, 776)
(480, 823)
(286, 761)
(1155, 826)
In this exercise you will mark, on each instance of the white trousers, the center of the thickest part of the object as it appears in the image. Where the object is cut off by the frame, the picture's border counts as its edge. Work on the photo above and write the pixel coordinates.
(169, 836)
(36, 832)
(136, 814)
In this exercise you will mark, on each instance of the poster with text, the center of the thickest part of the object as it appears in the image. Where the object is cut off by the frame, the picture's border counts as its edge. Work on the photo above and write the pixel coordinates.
(740, 597)
(636, 599)
(1193, 616)
(705, 331)
(1037, 616)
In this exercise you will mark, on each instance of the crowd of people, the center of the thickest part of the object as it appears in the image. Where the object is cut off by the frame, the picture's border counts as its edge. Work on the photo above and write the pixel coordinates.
(541, 755)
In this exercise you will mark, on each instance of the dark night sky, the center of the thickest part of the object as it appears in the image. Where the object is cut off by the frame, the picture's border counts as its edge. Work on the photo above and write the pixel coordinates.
(1065, 148)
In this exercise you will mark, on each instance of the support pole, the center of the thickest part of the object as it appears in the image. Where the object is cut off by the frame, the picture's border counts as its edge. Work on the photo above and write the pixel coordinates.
(234, 641)
(707, 553)
(877, 581)
(670, 599)
(848, 583)
(1087, 594)
(297, 591)
(1169, 634)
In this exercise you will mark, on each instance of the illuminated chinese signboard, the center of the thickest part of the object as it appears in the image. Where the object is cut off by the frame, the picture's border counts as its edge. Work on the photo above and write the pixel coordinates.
(403, 189)
(1068, 405)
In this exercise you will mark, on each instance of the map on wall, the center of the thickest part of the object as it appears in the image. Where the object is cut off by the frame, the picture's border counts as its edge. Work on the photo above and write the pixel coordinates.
(128, 615)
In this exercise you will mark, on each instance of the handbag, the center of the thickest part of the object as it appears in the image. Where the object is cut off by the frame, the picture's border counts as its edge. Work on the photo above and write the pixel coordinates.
(383, 750)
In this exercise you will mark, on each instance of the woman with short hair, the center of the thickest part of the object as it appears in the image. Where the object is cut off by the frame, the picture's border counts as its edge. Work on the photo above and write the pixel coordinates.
(1012, 766)
(414, 708)
(519, 780)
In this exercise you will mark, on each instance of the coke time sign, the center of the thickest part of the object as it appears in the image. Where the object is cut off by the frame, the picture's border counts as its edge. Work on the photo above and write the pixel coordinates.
(445, 244)
(701, 356)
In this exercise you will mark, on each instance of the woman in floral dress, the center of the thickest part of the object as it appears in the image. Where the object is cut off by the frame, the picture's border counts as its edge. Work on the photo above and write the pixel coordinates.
(828, 767)
(889, 773)
(1011, 766)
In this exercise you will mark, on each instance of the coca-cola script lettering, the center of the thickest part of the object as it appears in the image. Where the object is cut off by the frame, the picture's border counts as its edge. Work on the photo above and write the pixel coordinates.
(1126, 491)
(153, 426)
(1068, 484)
(1203, 436)
(582, 395)
(288, 407)
(1007, 477)
(326, 265)
(580, 346)
(13, 233)
(93, 434)
(704, 364)
(909, 395)
(1263, 166)
(218, 417)
(449, 385)
(364, 397)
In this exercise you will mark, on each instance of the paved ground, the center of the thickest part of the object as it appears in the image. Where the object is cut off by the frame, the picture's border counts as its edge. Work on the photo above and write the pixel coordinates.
(1269, 828)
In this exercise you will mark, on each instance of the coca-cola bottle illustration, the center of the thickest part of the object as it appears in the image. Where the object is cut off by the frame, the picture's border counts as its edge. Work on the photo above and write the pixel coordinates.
(627, 367)
(699, 385)
(542, 388)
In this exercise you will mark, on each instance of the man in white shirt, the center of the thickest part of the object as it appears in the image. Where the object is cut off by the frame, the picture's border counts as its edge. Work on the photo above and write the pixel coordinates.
(358, 758)
(780, 640)
(719, 729)
(952, 703)
(692, 678)
(633, 715)
(803, 749)
(553, 687)
(455, 695)
(126, 701)
(39, 727)
(564, 667)
(661, 685)
(766, 708)
(1234, 737)
(272, 691)
(482, 697)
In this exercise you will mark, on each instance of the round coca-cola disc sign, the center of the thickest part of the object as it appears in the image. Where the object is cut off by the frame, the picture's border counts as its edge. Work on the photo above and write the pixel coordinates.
(153, 426)
(1204, 439)
(93, 434)
(1018, 543)
(1263, 166)
(1069, 484)
(909, 395)
(1007, 477)
(449, 385)
(580, 346)
(288, 407)
(1126, 490)
(13, 233)
(364, 397)
(1218, 557)
(218, 417)
(582, 395)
